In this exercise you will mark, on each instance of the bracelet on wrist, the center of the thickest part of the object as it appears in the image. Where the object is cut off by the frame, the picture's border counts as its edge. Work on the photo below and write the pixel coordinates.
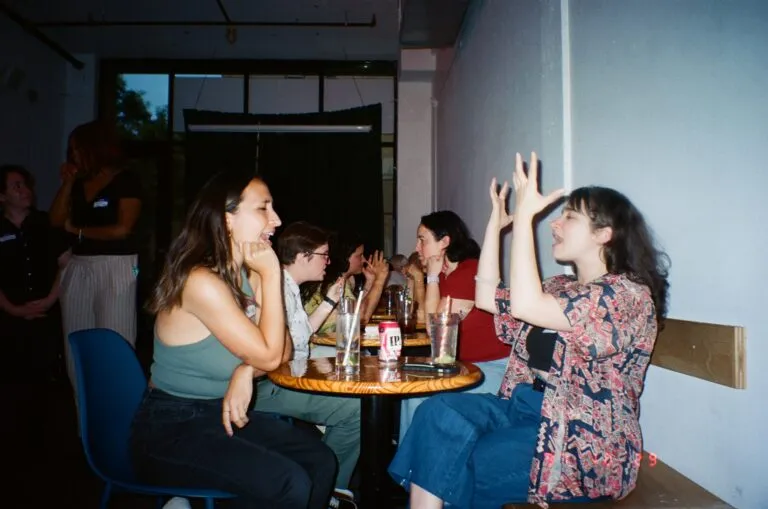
(330, 301)
(433, 279)
(487, 281)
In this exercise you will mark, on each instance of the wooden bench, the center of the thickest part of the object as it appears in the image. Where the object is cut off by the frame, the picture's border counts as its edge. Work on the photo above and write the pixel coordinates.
(658, 487)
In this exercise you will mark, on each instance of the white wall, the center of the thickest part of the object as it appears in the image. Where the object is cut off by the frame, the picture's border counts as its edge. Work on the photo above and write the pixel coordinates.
(30, 130)
(500, 94)
(414, 145)
(665, 101)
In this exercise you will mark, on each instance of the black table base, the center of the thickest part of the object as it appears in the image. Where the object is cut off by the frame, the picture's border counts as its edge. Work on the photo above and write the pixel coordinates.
(377, 450)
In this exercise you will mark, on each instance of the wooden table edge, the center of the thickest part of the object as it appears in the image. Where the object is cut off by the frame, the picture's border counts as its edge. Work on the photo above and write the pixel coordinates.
(412, 386)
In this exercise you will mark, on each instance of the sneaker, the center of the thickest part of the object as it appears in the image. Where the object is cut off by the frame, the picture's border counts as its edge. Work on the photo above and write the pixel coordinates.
(177, 503)
(342, 499)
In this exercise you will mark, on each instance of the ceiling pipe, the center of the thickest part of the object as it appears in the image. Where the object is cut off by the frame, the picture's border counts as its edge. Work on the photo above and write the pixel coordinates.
(295, 24)
(37, 34)
(223, 11)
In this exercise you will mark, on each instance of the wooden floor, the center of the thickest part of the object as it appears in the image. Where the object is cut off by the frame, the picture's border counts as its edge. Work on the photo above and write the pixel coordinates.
(658, 487)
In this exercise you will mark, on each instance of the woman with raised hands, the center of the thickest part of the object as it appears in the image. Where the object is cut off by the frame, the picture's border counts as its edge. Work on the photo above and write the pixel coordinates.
(564, 426)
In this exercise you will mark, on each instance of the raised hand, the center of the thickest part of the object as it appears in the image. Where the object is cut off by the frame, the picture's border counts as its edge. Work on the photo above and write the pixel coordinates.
(376, 267)
(259, 257)
(528, 200)
(335, 291)
(68, 172)
(499, 215)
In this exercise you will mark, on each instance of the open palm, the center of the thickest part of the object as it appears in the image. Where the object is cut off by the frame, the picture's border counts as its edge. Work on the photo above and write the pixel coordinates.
(528, 200)
(499, 212)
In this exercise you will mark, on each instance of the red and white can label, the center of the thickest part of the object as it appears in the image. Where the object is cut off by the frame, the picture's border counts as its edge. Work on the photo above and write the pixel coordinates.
(390, 342)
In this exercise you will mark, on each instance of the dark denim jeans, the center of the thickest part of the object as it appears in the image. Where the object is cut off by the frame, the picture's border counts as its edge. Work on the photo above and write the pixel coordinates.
(267, 464)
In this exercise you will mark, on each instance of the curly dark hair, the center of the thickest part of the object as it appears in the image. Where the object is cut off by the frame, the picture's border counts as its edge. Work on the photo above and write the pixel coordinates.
(447, 223)
(632, 249)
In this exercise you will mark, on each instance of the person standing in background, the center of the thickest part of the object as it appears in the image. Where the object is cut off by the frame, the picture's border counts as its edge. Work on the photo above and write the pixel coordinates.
(32, 255)
(99, 204)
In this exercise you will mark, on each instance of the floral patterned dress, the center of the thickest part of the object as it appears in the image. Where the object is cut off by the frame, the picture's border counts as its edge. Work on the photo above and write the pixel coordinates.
(589, 441)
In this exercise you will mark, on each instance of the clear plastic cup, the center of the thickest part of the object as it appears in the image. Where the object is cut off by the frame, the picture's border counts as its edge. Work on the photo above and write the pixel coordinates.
(347, 305)
(347, 343)
(406, 316)
(443, 330)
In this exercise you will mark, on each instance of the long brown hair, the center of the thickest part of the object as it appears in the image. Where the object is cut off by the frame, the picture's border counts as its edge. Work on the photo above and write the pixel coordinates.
(98, 145)
(204, 241)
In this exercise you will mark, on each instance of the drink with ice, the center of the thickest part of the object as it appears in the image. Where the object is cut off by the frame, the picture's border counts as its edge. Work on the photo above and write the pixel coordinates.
(443, 329)
(347, 343)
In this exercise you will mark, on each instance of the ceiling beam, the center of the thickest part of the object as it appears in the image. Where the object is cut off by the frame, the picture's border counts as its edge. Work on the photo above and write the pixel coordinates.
(205, 23)
(431, 23)
(37, 34)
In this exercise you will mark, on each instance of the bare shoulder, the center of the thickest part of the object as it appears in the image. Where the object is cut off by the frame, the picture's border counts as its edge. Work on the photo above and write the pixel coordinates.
(204, 285)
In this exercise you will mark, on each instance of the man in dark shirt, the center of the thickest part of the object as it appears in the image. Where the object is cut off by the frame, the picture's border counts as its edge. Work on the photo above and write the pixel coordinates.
(32, 253)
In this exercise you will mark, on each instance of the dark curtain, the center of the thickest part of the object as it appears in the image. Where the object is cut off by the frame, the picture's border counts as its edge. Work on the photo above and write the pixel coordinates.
(332, 180)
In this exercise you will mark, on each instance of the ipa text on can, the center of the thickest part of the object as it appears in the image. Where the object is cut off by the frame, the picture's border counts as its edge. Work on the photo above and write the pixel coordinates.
(390, 342)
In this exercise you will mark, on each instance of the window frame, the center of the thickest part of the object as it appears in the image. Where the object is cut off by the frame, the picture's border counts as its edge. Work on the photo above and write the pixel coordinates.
(109, 69)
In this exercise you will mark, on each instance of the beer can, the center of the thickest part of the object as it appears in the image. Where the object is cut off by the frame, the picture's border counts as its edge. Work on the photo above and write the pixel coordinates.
(390, 342)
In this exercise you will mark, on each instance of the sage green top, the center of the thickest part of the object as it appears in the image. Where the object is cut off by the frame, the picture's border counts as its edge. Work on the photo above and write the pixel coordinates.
(200, 370)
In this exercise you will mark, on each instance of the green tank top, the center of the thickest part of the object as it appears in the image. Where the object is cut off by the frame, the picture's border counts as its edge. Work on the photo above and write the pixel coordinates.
(200, 370)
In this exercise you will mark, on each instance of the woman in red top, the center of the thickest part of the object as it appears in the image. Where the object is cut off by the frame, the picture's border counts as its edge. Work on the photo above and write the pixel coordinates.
(449, 254)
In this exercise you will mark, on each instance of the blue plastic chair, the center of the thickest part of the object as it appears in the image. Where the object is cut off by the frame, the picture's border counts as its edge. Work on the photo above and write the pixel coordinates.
(110, 385)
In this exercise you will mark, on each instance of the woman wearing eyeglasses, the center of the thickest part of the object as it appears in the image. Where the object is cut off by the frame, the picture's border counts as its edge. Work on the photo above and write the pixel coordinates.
(348, 261)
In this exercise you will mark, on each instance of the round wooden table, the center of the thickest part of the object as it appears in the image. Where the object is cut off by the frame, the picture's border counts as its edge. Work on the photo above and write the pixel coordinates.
(410, 340)
(379, 389)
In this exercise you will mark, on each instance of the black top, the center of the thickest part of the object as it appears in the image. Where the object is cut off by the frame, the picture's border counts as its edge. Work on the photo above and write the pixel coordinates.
(540, 344)
(103, 211)
(29, 257)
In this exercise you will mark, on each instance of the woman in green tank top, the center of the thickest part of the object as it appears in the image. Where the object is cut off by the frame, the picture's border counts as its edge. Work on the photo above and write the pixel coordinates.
(214, 328)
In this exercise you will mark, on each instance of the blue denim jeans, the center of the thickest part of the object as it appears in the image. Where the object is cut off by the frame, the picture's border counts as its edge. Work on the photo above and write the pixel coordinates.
(493, 374)
(268, 463)
(471, 450)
